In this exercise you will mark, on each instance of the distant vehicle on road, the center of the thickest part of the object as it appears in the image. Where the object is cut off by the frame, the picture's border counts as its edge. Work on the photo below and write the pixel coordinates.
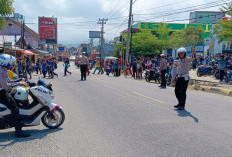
(72, 58)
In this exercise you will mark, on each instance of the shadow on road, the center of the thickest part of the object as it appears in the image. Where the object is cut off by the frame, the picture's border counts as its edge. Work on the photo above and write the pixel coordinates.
(184, 113)
(8, 139)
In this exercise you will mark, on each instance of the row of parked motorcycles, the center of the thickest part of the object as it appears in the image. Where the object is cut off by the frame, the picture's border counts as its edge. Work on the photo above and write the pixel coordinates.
(213, 69)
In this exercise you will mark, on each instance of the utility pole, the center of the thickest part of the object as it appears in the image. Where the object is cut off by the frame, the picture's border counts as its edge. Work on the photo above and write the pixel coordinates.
(128, 32)
(131, 33)
(22, 35)
(102, 22)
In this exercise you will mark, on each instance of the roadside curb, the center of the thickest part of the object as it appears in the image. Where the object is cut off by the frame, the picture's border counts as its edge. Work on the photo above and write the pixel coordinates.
(225, 92)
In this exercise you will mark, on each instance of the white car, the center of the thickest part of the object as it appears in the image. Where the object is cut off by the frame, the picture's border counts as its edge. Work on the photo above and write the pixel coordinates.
(72, 58)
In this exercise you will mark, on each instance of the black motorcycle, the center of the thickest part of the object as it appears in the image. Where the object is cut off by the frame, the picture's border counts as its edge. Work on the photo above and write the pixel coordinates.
(152, 75)
(204, 70)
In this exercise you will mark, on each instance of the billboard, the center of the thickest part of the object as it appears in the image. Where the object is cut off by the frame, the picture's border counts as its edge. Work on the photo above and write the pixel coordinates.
(61, 48)
(197, 49)
(47, 30)
(94, 34)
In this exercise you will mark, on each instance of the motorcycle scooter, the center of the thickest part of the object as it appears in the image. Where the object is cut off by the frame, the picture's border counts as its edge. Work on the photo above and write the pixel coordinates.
(41, 109)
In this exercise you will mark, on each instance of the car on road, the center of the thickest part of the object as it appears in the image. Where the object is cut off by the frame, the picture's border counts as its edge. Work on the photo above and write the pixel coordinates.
(72, 58)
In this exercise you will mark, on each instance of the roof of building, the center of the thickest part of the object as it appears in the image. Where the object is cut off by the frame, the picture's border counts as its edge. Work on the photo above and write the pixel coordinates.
(27, 29)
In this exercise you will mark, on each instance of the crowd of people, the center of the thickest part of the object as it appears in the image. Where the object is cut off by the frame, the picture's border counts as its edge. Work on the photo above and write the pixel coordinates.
(24, 67)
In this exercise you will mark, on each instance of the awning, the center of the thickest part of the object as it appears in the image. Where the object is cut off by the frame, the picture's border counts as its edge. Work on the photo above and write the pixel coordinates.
(43, 52)
(27, 52)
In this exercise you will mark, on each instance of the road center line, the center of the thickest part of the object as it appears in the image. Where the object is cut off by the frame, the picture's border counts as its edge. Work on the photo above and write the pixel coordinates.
(149, 97)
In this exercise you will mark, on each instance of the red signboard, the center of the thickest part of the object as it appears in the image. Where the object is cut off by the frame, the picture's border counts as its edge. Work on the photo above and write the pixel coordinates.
(47, 30)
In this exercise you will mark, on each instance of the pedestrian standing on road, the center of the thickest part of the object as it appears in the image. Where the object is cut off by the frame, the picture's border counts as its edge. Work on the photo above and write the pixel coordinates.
(84, 63)
(38, 66)
(128, 68)
(28, 66)
(163, 71)
(222, 67)
(44, 68)
(66, 66)
(182, 77)
(117, 68)
(139, 69)
(134, 68)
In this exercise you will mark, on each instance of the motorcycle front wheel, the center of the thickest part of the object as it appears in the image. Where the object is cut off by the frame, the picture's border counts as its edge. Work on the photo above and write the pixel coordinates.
(199, 74)
(147, 77)
(55, 121)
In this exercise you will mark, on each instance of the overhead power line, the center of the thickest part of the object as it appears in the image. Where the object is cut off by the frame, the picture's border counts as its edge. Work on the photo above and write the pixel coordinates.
(179, 12)
(218, 2)
(162, 6)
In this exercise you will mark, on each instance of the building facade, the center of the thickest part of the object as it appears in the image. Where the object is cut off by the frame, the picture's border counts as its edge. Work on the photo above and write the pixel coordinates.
(205, 17)
(13, 28)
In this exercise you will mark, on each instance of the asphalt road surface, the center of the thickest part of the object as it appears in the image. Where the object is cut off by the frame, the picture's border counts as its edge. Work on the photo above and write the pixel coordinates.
(112, 117)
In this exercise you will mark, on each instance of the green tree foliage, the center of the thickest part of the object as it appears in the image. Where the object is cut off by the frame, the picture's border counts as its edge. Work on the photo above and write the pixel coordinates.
(144, 43)
(189, 36)
(163, 40)
(6, 9)
(176, 39)
(117, 50)
(193, 35)
(224, 28)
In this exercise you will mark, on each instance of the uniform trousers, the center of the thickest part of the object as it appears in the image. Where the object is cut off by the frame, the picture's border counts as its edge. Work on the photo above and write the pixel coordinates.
(83, 71)
(180, 90)
(7, 99)
(163, 79)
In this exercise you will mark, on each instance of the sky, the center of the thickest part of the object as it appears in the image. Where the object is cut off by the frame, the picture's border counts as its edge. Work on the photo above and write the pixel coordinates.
(77, 17)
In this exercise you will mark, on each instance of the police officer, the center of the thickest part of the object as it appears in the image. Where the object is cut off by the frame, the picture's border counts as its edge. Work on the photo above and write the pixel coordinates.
(84, 63)
(6, 97)
(163, 71)
(182, 77)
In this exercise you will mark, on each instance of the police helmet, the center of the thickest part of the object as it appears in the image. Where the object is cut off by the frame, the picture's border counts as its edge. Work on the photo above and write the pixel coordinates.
(6, 60)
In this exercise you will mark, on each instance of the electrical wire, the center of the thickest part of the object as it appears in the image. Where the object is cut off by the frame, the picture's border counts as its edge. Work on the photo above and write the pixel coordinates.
(174, 13)
(191, 7)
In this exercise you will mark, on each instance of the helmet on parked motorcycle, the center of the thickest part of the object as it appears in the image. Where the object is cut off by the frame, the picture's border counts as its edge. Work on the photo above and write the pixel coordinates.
(21, 94)
(6, 60)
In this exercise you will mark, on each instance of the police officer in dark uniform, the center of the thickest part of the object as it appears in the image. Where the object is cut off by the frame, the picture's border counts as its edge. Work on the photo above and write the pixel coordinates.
(182, 77)
(84, 63)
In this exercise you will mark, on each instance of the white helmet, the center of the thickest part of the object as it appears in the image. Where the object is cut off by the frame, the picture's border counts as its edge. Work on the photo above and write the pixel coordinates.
(21, 94)
(6, 60)
(162, 55)
(181, 50)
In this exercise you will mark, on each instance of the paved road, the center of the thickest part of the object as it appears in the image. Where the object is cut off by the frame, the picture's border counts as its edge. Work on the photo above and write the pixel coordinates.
(108, 116)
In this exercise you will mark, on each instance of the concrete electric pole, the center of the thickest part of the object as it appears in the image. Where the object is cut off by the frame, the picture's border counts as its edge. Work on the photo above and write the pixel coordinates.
(102, 22)
(128, 32)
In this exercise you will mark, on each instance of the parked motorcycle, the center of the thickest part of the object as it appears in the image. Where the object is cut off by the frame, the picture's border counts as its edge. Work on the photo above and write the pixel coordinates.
(204, 70)
(228, 76)
(217, 74)
(152, 75)
(41, 109)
